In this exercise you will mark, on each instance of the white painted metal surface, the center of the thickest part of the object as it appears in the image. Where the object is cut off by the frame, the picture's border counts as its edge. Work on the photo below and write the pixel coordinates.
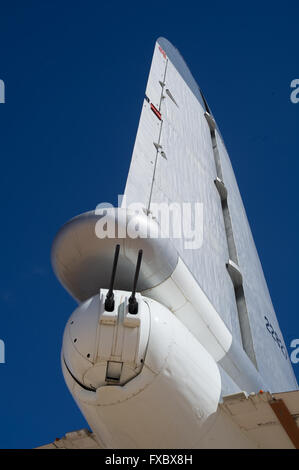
(82, 261)
(188, 174)
(102, 347)
(166, 400)
(241, 421)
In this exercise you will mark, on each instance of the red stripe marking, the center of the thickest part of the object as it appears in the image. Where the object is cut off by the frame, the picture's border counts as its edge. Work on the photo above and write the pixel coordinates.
(162, 52)
(157, 113)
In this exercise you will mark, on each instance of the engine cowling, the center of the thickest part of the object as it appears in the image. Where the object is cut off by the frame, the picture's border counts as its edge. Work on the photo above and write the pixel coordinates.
(138, 378)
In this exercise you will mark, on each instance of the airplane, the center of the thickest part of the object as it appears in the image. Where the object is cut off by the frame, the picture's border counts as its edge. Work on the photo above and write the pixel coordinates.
(175, 343)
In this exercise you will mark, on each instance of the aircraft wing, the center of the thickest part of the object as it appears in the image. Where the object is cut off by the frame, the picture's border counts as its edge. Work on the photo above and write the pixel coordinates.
(268, 421)
(82, 439)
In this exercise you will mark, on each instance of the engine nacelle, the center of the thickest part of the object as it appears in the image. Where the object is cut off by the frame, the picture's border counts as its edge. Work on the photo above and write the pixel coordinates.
(141, 381)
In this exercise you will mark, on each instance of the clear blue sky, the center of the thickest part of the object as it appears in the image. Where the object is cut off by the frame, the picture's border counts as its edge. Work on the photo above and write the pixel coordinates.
(75, 75)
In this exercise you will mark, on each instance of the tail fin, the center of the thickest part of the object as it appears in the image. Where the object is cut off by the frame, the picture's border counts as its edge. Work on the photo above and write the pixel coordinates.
(180, 157)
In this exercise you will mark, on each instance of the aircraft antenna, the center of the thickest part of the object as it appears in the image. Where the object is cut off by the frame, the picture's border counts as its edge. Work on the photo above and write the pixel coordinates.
(109, 301)
(133, 304)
